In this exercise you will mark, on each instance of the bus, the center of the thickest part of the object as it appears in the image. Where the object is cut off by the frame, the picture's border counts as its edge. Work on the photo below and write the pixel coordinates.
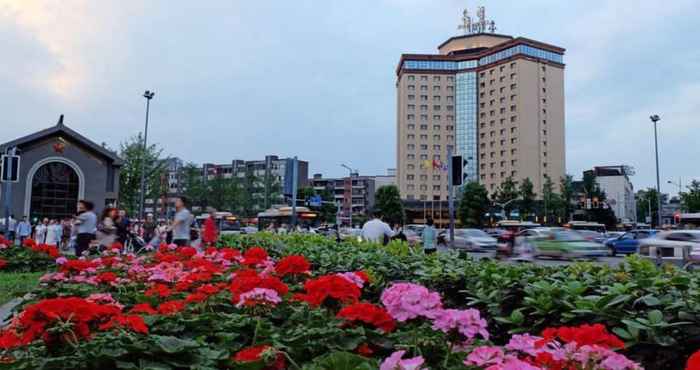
(226, 222)
(279, 216)
(586, 225)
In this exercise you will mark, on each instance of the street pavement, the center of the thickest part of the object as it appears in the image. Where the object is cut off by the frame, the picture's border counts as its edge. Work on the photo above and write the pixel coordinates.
(611, 261)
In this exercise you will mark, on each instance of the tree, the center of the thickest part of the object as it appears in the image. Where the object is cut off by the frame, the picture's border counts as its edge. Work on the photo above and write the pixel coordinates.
(690, 199)
(192, 184)
(506, 194)
(473, 205)
(552, 201)
(388, 202)
(134, 156)
(222, 193)
(527, 198)
(647, 199)
(328, 208)
(566, 191)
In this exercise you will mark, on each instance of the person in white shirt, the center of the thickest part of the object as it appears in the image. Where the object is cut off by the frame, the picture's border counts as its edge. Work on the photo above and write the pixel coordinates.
(52, 237)
(375, 229)
(40, 231)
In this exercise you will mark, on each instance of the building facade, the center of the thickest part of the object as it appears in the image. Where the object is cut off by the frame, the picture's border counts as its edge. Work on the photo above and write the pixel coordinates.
(619, 191)
(385, 180)
(354, 193)
(495, 99)
(58, 167)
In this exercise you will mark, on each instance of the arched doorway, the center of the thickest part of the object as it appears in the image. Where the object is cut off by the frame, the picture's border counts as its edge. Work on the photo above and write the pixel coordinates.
(55, 188)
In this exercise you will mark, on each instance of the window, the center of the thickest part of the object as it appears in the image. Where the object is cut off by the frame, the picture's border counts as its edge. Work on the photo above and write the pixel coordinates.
(424, 137)
(492, 113)
(450, 118)
(513, 86)
(483, 166)
(513, 173)
(482, 105)
(503, 110)
(424, 78)
(483, 177)
(502, 90)
(411, 78)
(512, 118)
(411, 97)
(483, 84)
(423, 197)
(503, 174)
(501, 79)
(501, 68)
(544, 90)
(423, 187)
(544, 121)
(491, 92)
(503, 163)
(411, 107)
(436, 137)
(451, 147)
(423, 157)
(411, 147)
(410, 187)
(411, 127)
(544, 132)
(411, 87)
(450, 79)
(436, 108)
(410, 196)
(436, 117)
(436, 88)
(424, 177)
(513, 140)
(544, 69)
(512, 76)
(436, 187)
(513, 151)
(513, 162)
(544, 164)
(512, 65)
(436, 78)
(450, 108)
(481, 95)
(411, 137)
(411, 156)
(424, 147)
(544, 143)
(544, 79)
(436, 97)
(450, 88)
(436, 128)
(436, 157)
(423, 88)
(492, 133)
(512, 97)
(512, 108)
(423, 108)
(491, 71)
(423, 117)
(482, 74)
(450, 138)
(436, 177)
(424, 98)
(502, 99)
(482, 135)
(450, 128)
(503, 152)
(502, 132)
(423, 127)
(512, 130)
(544, 111)
(411, 117)
(544, 154)
(492, 81)
(503, 142)
(450, 98)
(544, 101)
(410, 177)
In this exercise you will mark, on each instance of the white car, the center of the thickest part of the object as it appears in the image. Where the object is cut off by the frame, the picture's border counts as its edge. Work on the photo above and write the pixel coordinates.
(679, 247)
(474, 240)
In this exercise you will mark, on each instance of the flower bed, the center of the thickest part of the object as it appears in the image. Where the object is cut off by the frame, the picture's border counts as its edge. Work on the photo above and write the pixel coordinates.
(301, 302)
(29, 257)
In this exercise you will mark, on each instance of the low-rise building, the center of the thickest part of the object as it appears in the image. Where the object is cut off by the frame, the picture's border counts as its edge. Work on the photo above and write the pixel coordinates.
(614, 181)
(355, 193)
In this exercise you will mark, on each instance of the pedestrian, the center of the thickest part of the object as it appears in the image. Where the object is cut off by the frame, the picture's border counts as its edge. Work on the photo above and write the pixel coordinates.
(40, 231)
(399, 234)
(209, 233)
(85, 226)
(107, 229)
(66, 233)
(11, 230)
(24, 229)
(429, 237)
(52, 237)
(149, 228)
(375, 230)
(122, 223)
(182, 223)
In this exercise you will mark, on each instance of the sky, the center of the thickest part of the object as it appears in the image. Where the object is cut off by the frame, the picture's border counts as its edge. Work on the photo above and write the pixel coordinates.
(316, 79)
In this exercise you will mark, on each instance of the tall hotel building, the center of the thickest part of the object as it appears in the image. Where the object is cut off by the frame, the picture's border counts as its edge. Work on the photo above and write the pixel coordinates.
(496, 100)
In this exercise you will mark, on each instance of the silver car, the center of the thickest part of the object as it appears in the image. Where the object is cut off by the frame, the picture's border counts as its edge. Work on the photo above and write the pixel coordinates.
(474, 240)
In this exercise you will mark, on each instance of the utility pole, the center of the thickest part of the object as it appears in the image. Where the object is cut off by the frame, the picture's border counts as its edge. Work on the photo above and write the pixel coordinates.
(148, 95)
(655, 118)
(295, 175)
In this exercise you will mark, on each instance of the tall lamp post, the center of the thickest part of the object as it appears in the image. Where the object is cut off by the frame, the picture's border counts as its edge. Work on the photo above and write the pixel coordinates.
(148, 95)
(655, 118)
(351, 172)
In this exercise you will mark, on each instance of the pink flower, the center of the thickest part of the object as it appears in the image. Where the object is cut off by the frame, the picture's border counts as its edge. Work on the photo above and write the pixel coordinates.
(512, 363)
(259, 295)
(485, 355)
(524, 343)
(396, 362)
(467, 322)
(61, 260)
(406, 301)
(616, 361)
(353, 278)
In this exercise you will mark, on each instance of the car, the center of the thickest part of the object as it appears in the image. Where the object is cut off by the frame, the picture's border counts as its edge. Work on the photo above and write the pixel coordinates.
(609, 235)
(562, 243)
(678, 247)
(592, 236)
(628, 243)
(474, 240)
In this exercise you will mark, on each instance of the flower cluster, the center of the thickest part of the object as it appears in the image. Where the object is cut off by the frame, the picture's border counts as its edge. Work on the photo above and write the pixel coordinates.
(406, 301)
(270, 358)
(369, 314)
(293, 265)
(49, 250)
(397, 362)
(329, 286)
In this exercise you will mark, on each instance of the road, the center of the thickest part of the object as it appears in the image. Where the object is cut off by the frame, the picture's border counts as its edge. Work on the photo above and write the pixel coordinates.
(611, 261)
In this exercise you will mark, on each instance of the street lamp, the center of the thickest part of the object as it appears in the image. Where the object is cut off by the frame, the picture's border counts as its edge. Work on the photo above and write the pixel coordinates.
(148, 95)
(351, 172)
(655, 118)
(503, 205)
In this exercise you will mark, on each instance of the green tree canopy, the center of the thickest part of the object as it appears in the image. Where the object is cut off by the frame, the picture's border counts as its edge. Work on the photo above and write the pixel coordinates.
(388, 202)
(691, 198)
(473, 204)
(506, 193)
(527, 197)
(647, 198)
(134, 156)
(566, 193)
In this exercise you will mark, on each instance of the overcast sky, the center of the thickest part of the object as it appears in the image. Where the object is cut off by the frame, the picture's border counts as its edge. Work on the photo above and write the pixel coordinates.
(242, 79)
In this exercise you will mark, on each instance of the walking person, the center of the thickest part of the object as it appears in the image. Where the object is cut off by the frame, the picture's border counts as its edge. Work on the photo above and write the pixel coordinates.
(24, 230)
(52, 237)
(40, 231)
(11, 229)
(66, 233)
(182, 223)
(429, 237)
(210, 234)
(122, 223)
(149, 229)
(85, 226)
(107, 229)
(375, 230)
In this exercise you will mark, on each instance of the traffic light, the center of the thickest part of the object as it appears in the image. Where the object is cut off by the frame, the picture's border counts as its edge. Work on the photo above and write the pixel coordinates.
(10, 168)
(457, 167)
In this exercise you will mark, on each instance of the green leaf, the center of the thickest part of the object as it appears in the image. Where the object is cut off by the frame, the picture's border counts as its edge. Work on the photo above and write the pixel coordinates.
(635, 324)
(341, 361)
(172, 344)
(622, 333)
(655, 316)
(649, 300)
(620, 299)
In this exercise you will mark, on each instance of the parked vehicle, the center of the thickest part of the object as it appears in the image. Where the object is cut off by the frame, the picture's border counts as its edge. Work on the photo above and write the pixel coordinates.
(628, 242)
(678, 247)
(560, 243)
(592, 236)
(473, 240)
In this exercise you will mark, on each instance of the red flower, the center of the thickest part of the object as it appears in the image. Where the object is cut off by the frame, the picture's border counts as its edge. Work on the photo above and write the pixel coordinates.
(261, 353)
(229, 254)
(210, 234)
(160, 290)
(187, 252)
(254, 256)
(247, 280)
(77, 266)
(143, 308)
(368, 314)
(693, 362)
(292, 265)
(171, 307)
(132, 322)
(3, 263)
(106, 277)
(362, 275)
(329, 286)
(364, 350)
(582, 335)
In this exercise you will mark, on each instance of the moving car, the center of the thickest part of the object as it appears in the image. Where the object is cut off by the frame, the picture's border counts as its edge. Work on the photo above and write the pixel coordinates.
(678, 247)
(561, 243)
(628, 242)
(474, 240)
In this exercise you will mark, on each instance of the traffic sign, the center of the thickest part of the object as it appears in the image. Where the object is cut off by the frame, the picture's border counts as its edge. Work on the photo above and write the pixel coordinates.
(10, 168)
(315, 201)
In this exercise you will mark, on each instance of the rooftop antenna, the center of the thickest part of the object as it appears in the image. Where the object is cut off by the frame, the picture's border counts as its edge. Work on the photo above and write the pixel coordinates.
(466, 25)
(60, 121)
